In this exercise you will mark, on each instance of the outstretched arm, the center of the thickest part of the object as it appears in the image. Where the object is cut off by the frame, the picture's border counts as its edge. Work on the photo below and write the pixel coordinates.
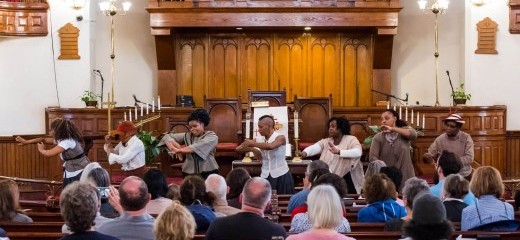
(22, 141)
(279, 141)
(51, 152)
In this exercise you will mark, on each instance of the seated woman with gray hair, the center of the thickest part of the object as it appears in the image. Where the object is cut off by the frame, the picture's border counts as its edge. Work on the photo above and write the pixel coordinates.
(455, 188)
(325, 215)
(412, 188)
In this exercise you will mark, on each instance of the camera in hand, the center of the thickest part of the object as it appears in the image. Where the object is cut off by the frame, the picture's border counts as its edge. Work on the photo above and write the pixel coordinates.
(103, 191)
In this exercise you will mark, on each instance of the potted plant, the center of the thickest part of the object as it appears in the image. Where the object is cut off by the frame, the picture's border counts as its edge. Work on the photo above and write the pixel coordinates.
(150, 146)
(460, 96)
(90, 98)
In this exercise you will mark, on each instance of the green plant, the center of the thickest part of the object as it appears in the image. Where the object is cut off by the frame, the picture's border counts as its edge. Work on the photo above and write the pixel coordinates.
(89, 96)
(150, 146)
(460, 93)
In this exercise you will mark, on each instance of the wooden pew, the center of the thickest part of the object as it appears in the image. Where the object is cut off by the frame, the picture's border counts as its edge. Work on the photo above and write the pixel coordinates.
(45, 216)
(34, 235)
(47, 227)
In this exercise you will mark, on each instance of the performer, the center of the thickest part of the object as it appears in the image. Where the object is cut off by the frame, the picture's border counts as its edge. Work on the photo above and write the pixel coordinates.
(455, 141)
(342, 152)
(129, 152)
(271, 151)
(392, 144)
(200, 146)
(67, 138)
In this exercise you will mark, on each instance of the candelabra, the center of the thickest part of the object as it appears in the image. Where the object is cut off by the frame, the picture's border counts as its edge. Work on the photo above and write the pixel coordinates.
(438, 7)
(110, 9)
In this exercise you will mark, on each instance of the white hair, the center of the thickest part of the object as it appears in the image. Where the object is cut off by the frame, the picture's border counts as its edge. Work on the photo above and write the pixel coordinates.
(217, 185)
(325, 207)
(91, 166)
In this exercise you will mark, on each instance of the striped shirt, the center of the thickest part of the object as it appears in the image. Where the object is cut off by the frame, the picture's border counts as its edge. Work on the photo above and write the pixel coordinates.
(487, 210)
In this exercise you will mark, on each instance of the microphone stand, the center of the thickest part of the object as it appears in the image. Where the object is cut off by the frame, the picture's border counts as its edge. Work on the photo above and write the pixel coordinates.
(452, 91)
(388, 96)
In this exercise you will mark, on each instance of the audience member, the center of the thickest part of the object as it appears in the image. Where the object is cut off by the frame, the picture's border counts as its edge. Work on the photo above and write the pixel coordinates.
(10, 210)
(86, 171)
(3, 234)
(174, 192)
(342, 152)
(198, 201)
(486, 184)
(175, 223)
(157, 187)
(395, 175)
(250, 222)
(455, 188)
(412, 187)
(79, 205)
(380, 195)
(374, 167)
(134, 222)
(324, 211)
(217, 185)
(325, 207)
(300, 198)
(428, 219)
(448, 164)
(101, 179)
(235, 180)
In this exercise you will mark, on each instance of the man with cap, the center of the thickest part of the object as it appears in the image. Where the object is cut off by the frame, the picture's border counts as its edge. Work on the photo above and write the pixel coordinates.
(129, 152)
(455, 141)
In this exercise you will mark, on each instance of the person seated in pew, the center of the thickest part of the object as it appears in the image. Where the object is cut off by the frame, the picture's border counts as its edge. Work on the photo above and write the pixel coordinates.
(3, 234)
(395, 175)
(428, 219)
(270, 149)
(300, 197)
(79, 206)
(486, 184)
(455, 188)
(198, 201)
(216, 184)
(325, 207)
(157, 187)
(447, 164)
(342, 152)
(412, 187)
(130, 200)
(374, 167)
(67, 139)
(174, 192)
(129, 152)
(175, 223)
(197, 147)
(10, 210)
(380, 194)
(250, 222)
(331, 179)
(236, 180)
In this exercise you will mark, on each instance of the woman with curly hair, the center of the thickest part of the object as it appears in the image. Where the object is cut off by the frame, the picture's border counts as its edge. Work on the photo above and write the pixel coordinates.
(68, 138)
(197, 146)
(380, 195)
(174, 223)
(10, 210)
(198, 201)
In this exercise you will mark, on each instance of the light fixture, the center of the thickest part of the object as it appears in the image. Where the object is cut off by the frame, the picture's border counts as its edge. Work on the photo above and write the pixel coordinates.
(77, 5)
(110, 9)
(307, 28)
(478, 3)
(239, 28)
(438, 7)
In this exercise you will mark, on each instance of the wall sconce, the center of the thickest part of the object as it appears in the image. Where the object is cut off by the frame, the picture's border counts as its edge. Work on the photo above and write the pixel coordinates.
(479, 3)
(77, 5)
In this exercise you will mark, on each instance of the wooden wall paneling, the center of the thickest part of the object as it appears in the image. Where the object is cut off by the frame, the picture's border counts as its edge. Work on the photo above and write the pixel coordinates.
(192, 67)
(512, 154)
(323, 63)
(356, 51)
(166, 68)
(290, 63)
(224, 64)
(258, 64)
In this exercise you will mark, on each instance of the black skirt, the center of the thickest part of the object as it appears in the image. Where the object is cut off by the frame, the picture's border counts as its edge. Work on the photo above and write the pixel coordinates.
(283, 184)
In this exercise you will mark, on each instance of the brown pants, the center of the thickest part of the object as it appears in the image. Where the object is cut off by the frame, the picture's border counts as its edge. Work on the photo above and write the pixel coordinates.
(138, 172)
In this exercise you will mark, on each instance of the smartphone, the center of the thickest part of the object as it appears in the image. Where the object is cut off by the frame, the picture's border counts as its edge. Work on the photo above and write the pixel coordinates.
(103, 191)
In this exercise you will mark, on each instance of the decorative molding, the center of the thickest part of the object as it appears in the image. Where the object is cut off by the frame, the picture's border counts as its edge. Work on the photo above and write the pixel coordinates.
(514, 16)
(23, 18)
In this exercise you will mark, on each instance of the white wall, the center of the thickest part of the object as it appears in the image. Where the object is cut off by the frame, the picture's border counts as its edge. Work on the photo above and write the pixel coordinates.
(494, 79)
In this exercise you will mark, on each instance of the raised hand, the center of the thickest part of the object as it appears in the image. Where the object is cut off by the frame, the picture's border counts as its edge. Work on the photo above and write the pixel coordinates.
(21, 141)
(386, 128)
(333, 148)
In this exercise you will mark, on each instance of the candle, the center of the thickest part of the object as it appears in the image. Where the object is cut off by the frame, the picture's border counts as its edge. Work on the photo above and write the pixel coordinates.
(423, 122)
(153, 105)
(130, 115)
(159, 103)
(418, 120)
(135, 117)
(400, 112)
(248, 127)
(125, 116)
(296, 134)
(406, 114)
(147, 107)
(387, 104)
(411, 119)
(394, 106)
(141, 110)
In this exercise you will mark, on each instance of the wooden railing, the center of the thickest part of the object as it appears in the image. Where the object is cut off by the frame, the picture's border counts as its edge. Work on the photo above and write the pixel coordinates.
(23, 18)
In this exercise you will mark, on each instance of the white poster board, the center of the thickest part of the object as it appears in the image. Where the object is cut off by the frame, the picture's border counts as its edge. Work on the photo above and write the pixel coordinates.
(281, 121)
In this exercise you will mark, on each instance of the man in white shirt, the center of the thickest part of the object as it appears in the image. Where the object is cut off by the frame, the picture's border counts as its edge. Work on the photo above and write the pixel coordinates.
(129, 152)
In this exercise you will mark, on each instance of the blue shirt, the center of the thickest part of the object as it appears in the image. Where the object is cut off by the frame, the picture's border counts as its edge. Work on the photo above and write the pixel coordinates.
(436, 190)
(488, 209)
(298, 199)
(382, 211)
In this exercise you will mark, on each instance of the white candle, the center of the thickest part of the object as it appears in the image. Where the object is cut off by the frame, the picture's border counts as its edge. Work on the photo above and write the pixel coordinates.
(406, 114)
(394, 106)
(423, 122)
(153, 105)
(418, 120)
(135, 114)
(159, 103)
(248, 128)
(125, 116)
(130, 114)
(141, 110)
(411, 119)
(147, 107)
(400, 112)
(387, 104)
(296, 134)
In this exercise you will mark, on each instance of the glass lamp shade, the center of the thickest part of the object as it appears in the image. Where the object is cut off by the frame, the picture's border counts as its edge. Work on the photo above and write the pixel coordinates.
(104, 6)
(126, 6)
(422, 4)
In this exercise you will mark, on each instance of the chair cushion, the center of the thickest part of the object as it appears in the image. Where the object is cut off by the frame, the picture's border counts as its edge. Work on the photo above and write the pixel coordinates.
(303, 145)
(226, 147)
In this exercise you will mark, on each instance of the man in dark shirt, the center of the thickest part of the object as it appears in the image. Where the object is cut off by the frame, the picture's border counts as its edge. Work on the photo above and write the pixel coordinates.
(250, 222)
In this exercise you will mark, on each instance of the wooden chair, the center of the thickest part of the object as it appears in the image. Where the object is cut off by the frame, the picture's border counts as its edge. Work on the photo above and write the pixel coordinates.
(314, 113)
(226, 122)
(275, 98)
